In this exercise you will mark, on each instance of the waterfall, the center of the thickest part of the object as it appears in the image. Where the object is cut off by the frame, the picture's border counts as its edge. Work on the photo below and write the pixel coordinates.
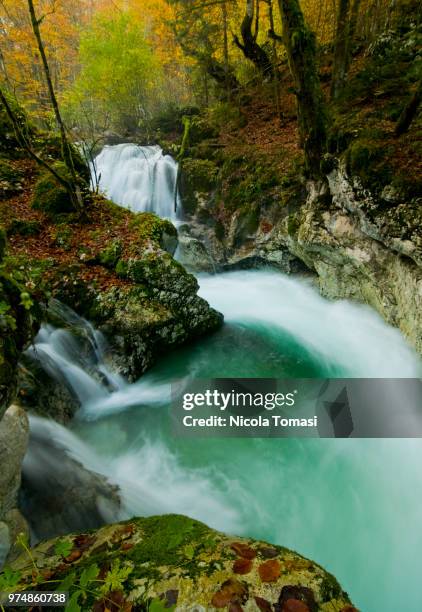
(340, 502)
(75, 354)
(140, 178)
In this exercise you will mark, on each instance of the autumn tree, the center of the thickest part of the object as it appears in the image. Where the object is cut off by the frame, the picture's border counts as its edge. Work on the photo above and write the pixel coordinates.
(301, 51)
(119, 77)
(249, 45)
(72, 184)
(197, 27)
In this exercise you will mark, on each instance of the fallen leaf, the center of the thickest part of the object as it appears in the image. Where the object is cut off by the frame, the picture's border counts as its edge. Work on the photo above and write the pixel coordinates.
(74, 556)
(268, 552)
(263, 604)
(242, 566)
(243, 550)
(294, 605)
(270, 570)
(231, 591)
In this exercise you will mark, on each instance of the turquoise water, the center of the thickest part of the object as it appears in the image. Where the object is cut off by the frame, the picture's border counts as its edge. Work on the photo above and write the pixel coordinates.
(351, 505)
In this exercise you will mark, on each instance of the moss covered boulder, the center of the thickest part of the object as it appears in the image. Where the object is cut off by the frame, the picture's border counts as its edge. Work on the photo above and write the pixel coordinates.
(198, 180)
(172, 562)
(49, 195)
(120, 274)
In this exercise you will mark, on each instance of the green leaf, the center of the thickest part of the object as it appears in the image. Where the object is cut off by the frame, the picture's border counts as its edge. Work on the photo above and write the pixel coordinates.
(72, 605)
(63, 548)
(157, 605)
(9, 579)
(89, 574)
(67, 582)
(189, 551)
(116, 577)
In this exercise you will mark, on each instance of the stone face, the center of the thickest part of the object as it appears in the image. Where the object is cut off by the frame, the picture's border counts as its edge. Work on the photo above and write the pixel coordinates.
(193, 253)
(359, 248)
(60, 495)
(14, 433)
(183, 563)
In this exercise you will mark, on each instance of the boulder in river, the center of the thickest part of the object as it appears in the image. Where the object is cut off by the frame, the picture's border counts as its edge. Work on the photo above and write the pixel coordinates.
(176, 563)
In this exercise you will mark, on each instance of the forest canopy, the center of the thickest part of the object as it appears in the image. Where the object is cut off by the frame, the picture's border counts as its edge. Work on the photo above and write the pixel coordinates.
(115, 65)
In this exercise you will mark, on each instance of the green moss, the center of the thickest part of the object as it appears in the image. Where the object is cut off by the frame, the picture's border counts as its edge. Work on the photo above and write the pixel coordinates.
(49, 195)
(293, 225)
(367, 159)
(151, 227)
(110, 256)
(196, 176)
(165, 539)
(22, 227)
(330, 588)
(122, 268)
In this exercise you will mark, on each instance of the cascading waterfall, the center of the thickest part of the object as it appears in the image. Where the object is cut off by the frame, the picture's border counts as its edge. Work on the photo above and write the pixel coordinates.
(340, 502)
(140, 178)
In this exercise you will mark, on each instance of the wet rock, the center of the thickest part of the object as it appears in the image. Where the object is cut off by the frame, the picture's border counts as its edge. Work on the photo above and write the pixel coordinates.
(14, 433)
(193, 254)
(58, 494)
(160, 567)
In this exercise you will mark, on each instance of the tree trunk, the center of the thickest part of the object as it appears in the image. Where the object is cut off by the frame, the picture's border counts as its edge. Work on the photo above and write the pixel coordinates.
(74, 192)
(226, 49)
(341, 48)
(250, 48)
(301, 52)
(353, 21)
(274, 60)
(409, 112)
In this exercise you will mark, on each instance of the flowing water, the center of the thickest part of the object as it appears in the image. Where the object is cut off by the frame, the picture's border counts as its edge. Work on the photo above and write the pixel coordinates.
(353, 505)
(140, 178)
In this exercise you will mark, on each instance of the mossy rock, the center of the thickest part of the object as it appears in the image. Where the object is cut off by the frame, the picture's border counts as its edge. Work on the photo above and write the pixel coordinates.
(109, 257)
(49, 195)
(23, 227)
(176, 563)
(367, 159)
(197, 176)
(151, 227)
